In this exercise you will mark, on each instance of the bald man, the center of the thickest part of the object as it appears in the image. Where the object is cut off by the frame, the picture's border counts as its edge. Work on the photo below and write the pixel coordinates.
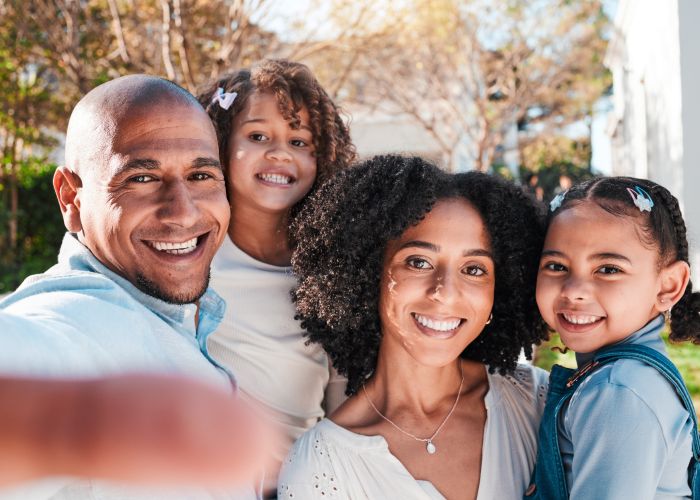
(142, 196)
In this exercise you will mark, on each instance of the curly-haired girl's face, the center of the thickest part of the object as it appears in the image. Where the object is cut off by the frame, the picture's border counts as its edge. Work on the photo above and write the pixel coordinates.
(437, 285)
(271, 166)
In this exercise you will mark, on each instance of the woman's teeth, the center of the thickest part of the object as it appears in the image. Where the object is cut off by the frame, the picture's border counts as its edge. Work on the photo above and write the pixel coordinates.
(440, 326)
(175, 248)
(580, 319)
(275, 178)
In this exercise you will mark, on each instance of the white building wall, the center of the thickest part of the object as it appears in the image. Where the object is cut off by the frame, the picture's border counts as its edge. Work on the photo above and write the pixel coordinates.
(655, 124)
(689, 20)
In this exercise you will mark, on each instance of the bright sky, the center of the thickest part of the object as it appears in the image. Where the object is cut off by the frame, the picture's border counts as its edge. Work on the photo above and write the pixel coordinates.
(282, 14)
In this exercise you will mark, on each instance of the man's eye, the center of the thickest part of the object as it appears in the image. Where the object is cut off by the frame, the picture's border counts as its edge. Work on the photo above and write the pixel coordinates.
(200, 176)
(140, 179)
(418, 263)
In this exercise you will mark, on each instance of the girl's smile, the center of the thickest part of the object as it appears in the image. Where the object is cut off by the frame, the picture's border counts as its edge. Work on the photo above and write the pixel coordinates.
(597, 281)
(272, 165)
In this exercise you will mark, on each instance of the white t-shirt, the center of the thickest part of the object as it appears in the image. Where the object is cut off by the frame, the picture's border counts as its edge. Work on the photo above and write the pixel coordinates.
(263, 345)
(331, 461)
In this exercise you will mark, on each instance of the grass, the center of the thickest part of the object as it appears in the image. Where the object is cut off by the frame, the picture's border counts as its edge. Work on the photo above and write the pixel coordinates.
(685, 356)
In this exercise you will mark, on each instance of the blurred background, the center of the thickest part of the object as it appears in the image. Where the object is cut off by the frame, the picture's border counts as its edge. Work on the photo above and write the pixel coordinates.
(543, 92)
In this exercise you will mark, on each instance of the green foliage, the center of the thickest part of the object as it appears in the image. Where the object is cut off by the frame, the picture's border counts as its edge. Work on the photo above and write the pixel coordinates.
(551, 164)
(40, 230)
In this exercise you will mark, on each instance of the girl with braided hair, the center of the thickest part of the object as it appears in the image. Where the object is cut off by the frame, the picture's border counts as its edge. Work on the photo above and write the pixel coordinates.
(280, 136)
(614, 263)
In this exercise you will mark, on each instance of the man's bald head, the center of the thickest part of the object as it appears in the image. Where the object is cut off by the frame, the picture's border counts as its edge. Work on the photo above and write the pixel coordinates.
(97, 118)
(143, 188)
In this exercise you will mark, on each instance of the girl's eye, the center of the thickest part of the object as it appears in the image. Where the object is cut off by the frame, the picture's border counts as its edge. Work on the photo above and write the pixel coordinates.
(418, 263)
(555, 267)
(298, 143)
(258, 137)
(609, 270)
(474, 270)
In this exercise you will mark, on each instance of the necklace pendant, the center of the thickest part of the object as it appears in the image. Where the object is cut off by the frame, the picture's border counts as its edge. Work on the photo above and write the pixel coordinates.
(430, 448)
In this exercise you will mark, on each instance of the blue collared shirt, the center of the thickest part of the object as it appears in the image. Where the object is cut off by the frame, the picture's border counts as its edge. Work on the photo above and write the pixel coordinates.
(81, 319)
(625, 433)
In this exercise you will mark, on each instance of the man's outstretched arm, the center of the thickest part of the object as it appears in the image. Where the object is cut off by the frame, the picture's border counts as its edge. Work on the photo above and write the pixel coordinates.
(145, 429)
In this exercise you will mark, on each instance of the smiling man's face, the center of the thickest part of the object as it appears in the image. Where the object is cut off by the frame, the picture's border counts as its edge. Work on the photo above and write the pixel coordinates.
(155, 209)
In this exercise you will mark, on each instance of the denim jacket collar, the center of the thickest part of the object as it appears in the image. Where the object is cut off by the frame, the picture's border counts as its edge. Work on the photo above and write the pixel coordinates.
(649, 335)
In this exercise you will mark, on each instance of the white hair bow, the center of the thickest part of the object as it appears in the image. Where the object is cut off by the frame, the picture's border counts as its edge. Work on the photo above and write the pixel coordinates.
(225, 99)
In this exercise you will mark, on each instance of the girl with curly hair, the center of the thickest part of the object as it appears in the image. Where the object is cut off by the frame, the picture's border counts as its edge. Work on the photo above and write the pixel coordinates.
(280, 136)
(615, 261)
(420, 286)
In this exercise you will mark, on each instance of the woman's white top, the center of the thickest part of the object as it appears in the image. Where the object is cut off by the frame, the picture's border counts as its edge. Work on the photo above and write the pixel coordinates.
(330, 461)
(263, 345)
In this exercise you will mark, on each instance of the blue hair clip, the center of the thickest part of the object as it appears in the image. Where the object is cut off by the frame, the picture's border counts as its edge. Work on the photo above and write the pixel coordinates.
(641, 199)
(556, 201)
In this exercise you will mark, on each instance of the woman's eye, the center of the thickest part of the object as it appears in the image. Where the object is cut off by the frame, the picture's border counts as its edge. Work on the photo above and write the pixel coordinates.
(609, 270)
(554, 266)
(258, 137)
(418, 263)
(474, 270)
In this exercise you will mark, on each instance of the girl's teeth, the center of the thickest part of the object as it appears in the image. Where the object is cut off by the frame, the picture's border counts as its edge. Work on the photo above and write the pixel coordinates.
(275, 178)
(580, 319)
(175, 248)
(441, 326)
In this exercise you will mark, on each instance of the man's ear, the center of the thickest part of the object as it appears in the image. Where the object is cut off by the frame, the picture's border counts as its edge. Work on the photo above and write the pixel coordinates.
(674, 280)
(67, 184)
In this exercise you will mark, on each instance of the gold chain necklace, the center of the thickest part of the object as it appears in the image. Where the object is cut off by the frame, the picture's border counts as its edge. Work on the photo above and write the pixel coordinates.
(430, 446)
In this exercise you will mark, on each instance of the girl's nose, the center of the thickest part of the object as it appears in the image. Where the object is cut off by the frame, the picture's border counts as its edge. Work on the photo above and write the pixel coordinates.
(278, 152)
(576, 289)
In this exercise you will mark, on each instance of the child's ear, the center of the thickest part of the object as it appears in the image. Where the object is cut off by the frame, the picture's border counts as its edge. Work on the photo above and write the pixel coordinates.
(674, 279)
(67, 185)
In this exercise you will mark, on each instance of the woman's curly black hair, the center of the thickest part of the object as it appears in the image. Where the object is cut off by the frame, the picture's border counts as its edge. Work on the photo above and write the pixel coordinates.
(294, 86)
(662, 228)
(342, 234)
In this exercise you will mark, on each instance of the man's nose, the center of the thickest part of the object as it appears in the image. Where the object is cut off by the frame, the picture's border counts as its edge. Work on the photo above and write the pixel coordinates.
(178, 205)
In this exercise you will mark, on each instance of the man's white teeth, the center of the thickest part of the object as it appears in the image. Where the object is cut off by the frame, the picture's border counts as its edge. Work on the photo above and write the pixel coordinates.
(441, 326)
(580, 319)
(175, 248)
(276, 178)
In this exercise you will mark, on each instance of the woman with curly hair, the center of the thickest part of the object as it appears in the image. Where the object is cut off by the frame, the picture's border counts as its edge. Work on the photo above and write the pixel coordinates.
(420, 286)
(280, 136)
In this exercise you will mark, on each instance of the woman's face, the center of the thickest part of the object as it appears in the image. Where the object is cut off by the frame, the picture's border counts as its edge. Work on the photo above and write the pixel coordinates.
(271, 166)
(437, 285)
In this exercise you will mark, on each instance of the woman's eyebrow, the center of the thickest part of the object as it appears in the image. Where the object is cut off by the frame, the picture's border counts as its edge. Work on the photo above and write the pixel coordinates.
(420, 244)
(476, 252)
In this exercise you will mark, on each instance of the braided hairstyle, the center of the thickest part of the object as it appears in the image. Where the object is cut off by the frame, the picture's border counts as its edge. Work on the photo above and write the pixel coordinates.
(342, 235)
(294, 86)
(663, 227)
